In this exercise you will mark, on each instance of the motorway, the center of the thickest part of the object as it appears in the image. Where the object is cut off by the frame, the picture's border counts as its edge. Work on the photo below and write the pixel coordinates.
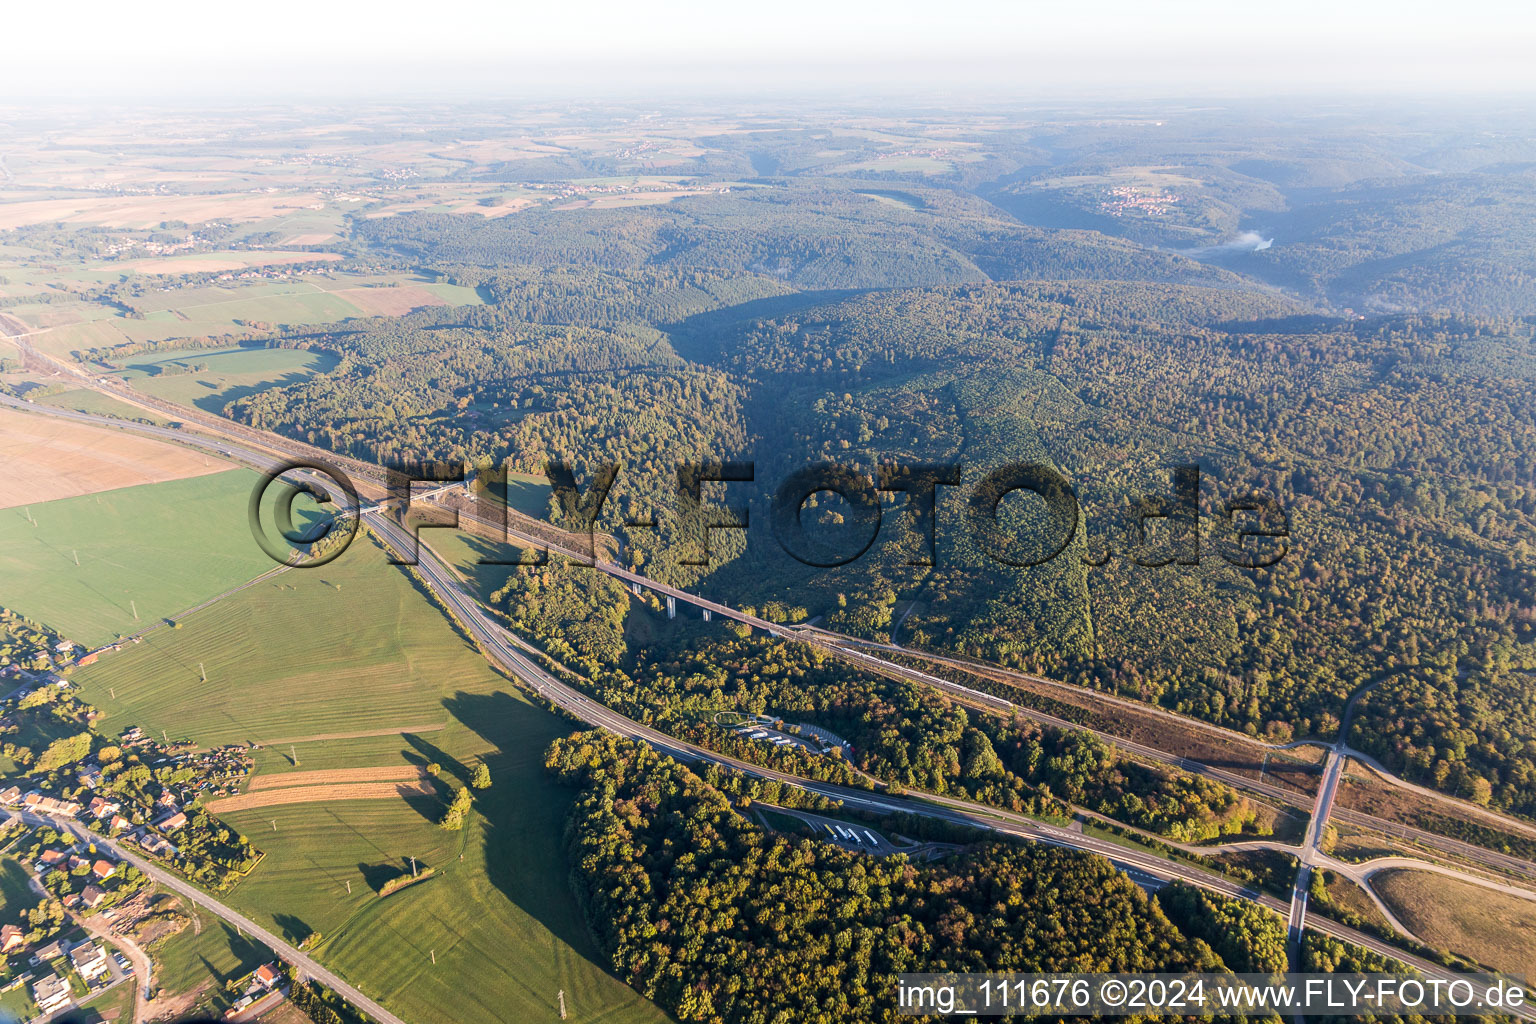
(1445, 844)
(496, 643)
(499, 646)
(849, 649)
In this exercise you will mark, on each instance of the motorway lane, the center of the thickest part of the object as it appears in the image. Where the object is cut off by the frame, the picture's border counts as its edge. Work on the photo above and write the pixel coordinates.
(227, 449)
(267, 462)
(1454, 847)
(846, 649)
(497, 643)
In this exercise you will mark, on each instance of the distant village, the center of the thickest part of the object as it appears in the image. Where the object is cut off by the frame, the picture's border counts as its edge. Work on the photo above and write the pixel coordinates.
(1123, 199)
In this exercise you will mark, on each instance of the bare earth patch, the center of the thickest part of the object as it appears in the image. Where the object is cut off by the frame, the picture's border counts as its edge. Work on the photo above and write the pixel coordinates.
(1497, 929)
(148, 211)
(323, 794)
(395, 301)
(47, 458)
(382, 774)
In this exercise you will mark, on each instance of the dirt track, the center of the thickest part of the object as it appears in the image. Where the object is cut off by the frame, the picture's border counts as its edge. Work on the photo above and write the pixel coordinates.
(323, 794)
(336, 776)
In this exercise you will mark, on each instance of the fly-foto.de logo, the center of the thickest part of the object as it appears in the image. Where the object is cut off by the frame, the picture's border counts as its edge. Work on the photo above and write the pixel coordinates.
(1249, 530)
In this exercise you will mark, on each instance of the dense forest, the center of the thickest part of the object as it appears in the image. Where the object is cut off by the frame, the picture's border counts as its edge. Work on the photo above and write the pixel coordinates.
(1398, 451)
(1272, 363)
(719, 920)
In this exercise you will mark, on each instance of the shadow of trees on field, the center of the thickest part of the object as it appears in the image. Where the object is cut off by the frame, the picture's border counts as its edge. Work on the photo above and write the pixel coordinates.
(524, 811)
(293, 927)
(428, 753)
(221, 393)
(376, 876)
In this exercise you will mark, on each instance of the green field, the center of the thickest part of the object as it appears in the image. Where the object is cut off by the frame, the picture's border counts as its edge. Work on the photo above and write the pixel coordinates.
(161, 547)
(16, 896)
(211, 951)
(98, 404)
(528, 494)
(455, 294)
(229, 373)
(17, 1004)
(354, 647)
(369, 659)
(204, 311)
(464, 551)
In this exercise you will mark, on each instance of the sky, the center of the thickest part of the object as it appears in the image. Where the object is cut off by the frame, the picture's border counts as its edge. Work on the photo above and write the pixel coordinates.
(282, 48)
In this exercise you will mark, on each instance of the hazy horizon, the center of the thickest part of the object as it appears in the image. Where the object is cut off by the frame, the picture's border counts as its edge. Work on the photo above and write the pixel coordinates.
(976, 49)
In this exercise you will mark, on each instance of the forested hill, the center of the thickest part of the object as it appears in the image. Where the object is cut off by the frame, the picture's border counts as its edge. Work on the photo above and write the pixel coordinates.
(1425, 244)
(807, 233)
(721, 921)
(1401, 448)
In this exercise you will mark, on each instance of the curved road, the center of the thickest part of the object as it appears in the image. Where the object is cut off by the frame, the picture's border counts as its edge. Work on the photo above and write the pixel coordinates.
(498, 646)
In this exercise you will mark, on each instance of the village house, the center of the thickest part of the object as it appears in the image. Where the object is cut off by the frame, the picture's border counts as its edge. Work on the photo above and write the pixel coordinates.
(40, 804)
(11, 937)
(10, 796)
(266, 975)
(90, 960)
(52, 951)
(50, 993)
(50, 859)
(154, 844)
(172, 823)
(119, 822)
(101, 807)
(91, 896)
(103, 869)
